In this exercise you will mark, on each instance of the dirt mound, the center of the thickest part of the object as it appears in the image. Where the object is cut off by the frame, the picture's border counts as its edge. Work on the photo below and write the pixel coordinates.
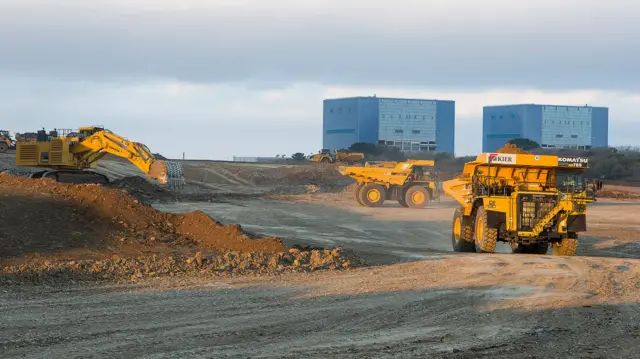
(116, 214)
(510, 148)
(51, 227)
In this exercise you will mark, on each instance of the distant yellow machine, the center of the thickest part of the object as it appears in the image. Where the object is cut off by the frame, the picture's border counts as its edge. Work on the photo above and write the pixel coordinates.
(69, 155)
(340, 156)
(412, 183)
(528, 201)
(385, 164)
(6, 142)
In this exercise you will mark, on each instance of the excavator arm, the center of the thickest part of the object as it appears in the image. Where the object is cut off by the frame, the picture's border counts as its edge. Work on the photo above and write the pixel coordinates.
(95, 146)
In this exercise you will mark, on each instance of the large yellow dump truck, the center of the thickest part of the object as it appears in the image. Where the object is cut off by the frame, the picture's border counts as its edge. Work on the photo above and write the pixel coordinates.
(412, 183)
(528, 201)
(340, 156)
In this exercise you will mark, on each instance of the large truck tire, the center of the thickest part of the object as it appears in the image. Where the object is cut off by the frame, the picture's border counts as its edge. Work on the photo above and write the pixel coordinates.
(461, 234)
(372, 195)
(416, 197)
(486, 238)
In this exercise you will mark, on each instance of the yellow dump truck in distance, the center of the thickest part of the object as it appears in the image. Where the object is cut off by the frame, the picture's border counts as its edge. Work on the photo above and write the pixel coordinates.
(412, 183)
(340, 156)
(6, 142)
(529, 201)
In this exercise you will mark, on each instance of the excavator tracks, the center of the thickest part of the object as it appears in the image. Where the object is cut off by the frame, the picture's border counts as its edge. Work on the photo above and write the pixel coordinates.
(76, 177)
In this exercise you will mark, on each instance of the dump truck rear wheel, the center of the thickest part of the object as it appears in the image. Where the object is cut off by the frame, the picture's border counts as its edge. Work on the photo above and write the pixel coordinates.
(3, 147)
(566, 246)
(372, 195)
(357, 194)
(486, 238)
(325, 160)
(416, 197)
(461, 234)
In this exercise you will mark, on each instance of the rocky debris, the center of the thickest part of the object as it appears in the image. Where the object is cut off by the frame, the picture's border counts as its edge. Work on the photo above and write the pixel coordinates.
(143, 190)
(133, 269)
(15, 172)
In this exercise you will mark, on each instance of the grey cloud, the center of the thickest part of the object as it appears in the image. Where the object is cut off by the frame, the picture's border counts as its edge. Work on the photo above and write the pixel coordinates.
(258, 49)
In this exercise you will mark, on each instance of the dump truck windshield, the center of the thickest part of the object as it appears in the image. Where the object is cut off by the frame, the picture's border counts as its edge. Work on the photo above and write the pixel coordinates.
(570, 182)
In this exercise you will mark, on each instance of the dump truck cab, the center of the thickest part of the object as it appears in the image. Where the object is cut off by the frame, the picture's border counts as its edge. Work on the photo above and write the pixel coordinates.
(412, 183)
(528, 201)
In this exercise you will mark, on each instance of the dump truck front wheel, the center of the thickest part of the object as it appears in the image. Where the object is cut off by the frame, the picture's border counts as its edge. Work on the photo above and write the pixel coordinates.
(416, 197)
(3, 147)
(325, 160)
(461, 234)
(486, 237)
(566, 246)
(372, 195)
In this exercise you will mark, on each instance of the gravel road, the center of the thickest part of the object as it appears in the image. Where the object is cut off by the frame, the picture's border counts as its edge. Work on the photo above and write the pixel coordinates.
(465, 306)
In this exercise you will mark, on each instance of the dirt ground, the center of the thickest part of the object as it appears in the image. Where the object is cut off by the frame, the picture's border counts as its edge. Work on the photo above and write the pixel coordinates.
(463, 306)
(416, 298)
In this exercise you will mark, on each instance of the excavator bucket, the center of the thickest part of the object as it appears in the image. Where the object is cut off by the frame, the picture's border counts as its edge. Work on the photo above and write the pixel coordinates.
(166, 172)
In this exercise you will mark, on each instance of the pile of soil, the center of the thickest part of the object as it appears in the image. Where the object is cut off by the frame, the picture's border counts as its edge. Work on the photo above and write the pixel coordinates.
(120, 269)
(115, 213)
(44, 221)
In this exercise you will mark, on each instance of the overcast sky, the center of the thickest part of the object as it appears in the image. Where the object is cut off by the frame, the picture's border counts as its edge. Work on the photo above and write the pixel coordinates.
(217, 78)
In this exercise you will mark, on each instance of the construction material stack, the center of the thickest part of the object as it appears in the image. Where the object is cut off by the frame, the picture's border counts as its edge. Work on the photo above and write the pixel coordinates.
(412, 183)
(528, 201)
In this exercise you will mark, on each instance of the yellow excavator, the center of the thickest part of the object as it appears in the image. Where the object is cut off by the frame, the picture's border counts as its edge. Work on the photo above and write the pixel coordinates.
(69, 156)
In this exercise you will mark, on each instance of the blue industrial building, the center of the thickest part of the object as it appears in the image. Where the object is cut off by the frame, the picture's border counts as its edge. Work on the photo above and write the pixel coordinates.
(551, 126)
(409, 124)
